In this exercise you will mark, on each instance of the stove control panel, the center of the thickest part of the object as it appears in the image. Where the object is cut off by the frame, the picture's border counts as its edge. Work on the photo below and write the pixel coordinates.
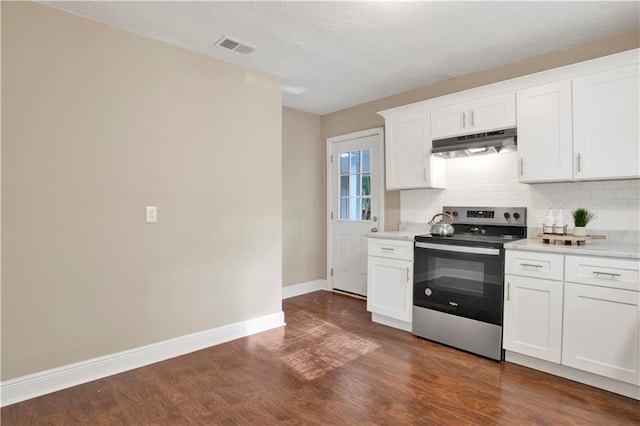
(485, 214)
(509, 216)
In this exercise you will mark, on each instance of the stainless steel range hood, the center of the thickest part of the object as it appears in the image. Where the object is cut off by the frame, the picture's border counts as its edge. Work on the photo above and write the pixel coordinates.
(476, 144)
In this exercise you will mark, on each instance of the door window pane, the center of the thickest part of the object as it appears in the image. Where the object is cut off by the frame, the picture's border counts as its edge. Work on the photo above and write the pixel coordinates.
(366, 161)
(366, 209)
(366, 184)
(353, 185)
(344, 186)
(344, 163)
(355, 162)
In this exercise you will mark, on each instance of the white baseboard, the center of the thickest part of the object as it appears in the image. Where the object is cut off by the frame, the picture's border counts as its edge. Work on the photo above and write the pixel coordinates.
(611, 385)
(391, 322)
(304, 288)
(44, 382)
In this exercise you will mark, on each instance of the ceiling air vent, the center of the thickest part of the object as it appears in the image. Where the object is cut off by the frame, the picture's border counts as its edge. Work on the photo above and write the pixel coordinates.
(235, 45)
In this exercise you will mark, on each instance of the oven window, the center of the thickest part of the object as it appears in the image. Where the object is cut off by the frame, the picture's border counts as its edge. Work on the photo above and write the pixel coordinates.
(462, 276)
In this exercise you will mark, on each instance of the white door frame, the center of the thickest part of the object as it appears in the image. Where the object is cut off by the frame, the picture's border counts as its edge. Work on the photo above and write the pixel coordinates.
(378, 131)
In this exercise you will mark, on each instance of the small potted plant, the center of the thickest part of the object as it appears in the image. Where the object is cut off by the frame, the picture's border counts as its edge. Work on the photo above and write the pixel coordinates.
(581, 217)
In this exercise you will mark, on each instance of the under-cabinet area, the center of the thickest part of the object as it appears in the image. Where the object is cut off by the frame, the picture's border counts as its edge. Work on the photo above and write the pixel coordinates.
(575, 316)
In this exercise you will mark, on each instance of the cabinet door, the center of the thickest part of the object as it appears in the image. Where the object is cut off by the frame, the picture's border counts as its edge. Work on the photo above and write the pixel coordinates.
(533, 317)
(605, 120)
(450, 120)
(408, 159)
(389, 287)
(545, 133)
(406, 151)
(602, 331)
(492, 112)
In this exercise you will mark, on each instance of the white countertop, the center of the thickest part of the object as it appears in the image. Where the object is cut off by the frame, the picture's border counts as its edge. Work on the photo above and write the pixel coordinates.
(602, 248)
(394, 235)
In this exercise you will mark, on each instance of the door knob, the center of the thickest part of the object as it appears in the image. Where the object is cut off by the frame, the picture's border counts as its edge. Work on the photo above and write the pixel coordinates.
(375, 218)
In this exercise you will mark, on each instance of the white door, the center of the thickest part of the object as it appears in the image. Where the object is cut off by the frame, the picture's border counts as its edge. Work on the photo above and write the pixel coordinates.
(406, 150)
(606, 128)
(545, 134)
(602, 331)
(533, 317)
(391, 288)
(492, 112)
(355, 195)
(450, 120)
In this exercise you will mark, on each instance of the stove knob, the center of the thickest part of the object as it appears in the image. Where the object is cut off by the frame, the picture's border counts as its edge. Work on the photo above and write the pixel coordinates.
(507, 215)
(455, 214)
(447, 212)
(516, 215)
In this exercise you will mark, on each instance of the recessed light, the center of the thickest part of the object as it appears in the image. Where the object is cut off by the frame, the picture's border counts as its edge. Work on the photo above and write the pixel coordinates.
(295, 90)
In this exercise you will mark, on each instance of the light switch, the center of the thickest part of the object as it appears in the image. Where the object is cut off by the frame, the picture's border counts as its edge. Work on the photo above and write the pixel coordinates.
(152, 214)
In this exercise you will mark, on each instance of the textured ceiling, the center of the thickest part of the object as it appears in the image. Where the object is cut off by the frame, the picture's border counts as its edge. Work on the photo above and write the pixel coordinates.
(348, 53)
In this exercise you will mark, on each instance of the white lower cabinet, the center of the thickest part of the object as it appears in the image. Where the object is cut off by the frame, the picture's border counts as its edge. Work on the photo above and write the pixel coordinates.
(533, 317)
(390, 282)
(587, 318)
(601, 331)
(602, 317)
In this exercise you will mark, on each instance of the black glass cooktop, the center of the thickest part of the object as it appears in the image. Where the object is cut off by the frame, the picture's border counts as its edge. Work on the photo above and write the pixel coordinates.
(470, 237)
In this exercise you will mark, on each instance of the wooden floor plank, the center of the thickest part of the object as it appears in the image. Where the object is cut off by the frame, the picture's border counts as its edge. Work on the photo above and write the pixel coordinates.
(329, 365)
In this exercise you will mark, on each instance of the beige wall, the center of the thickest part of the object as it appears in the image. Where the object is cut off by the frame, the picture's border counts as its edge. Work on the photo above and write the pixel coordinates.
(365, 116)
(98, 123)
(303, 205)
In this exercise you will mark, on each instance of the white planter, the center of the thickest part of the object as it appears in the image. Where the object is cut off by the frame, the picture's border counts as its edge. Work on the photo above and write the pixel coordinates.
(580, 231)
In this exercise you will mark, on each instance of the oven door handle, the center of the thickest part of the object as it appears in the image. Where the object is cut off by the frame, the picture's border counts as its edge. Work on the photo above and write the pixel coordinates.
(460, 249)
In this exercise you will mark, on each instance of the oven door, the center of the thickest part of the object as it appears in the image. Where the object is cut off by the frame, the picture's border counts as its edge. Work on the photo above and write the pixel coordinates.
(461, 280)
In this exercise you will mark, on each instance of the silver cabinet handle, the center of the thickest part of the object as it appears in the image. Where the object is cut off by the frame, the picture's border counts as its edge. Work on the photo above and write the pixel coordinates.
(531, 265)
(407, 274)
(387, 249)
(521, 167)
(579, 165)
(464, 120)
(473, 121)
(508, 291)
(609, 274)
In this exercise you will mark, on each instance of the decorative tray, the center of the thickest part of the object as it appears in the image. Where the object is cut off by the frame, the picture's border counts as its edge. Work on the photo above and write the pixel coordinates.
(568, 239)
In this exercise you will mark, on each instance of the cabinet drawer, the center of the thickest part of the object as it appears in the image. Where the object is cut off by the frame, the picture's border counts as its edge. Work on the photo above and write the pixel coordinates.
(533, 264)
(603, 272)
(392, 249)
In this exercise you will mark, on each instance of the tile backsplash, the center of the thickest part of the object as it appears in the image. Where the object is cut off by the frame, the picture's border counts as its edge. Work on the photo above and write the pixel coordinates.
(492, 180)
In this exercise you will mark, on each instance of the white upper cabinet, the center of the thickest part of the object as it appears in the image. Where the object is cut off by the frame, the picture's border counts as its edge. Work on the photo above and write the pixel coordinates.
(580, 129)
(408, 160)
(577, 122)
(545, 133)
(478, 115)
(605, 124)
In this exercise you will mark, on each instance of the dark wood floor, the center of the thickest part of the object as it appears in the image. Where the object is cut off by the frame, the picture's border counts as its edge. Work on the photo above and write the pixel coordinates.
(330, 365)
